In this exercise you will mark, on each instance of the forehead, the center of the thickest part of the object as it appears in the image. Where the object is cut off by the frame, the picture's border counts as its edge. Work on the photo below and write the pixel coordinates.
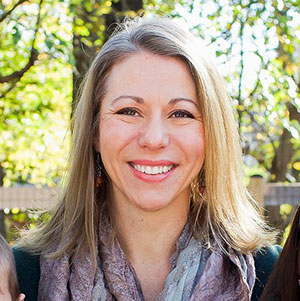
(144, 69)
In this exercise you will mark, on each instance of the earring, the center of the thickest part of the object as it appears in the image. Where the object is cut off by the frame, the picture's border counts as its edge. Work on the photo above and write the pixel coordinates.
(202, 184)
(98, 169)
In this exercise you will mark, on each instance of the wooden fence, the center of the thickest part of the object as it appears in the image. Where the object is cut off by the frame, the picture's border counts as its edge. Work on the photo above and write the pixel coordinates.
(27, 197)
(30, 197)
(269, 195)
(274, 194)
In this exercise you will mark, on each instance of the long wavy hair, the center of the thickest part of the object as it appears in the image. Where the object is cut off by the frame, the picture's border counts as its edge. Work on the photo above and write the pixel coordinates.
(283, 282)
(7, 269)
(224, 212)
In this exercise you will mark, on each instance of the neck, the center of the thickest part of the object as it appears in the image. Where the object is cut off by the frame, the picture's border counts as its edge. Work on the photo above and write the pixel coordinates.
(150, 235)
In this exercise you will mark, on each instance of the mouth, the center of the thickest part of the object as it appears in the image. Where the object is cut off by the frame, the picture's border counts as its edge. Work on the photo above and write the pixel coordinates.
(152, 170)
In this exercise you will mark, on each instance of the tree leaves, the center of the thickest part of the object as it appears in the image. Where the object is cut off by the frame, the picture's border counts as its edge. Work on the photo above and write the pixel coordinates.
(261, 99)
(35, 108)
(257, 47)
(16, 35)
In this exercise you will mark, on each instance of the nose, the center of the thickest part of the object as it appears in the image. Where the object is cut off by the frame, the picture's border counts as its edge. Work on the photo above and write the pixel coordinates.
(154, 134)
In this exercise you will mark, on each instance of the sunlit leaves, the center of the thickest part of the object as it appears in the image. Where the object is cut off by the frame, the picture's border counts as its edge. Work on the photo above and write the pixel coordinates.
(34, 111)
(263, 36)
(18, 218)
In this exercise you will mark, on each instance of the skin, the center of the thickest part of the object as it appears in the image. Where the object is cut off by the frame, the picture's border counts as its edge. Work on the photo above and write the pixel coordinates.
(150, 112)
(4, 291)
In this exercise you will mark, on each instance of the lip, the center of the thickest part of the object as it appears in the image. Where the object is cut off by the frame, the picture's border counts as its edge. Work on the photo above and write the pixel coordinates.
(153, 163)
(152, 178)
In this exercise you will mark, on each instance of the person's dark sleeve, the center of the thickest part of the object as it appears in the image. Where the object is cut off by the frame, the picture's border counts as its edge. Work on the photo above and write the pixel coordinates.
(28, 272)
(265, 260)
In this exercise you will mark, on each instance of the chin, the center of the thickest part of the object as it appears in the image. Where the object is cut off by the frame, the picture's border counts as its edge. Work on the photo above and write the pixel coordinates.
(152, 206)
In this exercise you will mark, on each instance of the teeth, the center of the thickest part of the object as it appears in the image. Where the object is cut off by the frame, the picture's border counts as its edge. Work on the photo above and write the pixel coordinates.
(152, 170)
(155, 170)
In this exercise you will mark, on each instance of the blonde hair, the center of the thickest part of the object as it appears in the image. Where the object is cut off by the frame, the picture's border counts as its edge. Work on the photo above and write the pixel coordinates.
(8, 269)
(224, 212)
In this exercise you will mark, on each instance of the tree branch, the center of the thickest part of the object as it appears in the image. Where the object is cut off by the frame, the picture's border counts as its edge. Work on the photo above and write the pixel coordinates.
(7, 13)
(2, 95)
(18, 74)
(296, 82)
(33, 54)
(242, 63)
(261, 128)
(239, 98)
(263, 66)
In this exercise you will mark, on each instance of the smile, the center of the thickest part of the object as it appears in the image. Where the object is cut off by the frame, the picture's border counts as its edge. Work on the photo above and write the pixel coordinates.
(152, 170)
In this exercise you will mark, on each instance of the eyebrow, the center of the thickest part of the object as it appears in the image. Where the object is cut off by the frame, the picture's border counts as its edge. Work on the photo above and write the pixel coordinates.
(178, 99)
(140, 100)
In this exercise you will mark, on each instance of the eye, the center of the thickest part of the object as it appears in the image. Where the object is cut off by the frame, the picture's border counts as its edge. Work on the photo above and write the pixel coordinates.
(181, 114)
(128, 112)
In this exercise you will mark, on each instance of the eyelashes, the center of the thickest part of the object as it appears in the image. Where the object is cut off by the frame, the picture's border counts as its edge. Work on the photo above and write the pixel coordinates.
(177, 114)
(128, 112)
(181, 114)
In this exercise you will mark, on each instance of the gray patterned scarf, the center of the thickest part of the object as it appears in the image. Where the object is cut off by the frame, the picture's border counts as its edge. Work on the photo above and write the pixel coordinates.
(196, 273)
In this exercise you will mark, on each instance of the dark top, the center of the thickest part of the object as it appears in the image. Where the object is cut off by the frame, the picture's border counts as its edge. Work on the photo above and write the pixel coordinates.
(28, 270)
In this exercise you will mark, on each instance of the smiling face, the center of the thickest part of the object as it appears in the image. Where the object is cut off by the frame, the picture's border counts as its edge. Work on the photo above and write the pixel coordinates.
(151, 132)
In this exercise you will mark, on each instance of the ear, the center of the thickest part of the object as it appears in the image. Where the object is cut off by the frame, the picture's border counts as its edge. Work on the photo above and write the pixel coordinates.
(95, 141)
(96, 147)
(96, 137)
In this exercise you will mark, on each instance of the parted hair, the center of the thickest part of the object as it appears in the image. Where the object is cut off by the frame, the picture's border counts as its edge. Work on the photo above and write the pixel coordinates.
(224, 212)
(7, 269)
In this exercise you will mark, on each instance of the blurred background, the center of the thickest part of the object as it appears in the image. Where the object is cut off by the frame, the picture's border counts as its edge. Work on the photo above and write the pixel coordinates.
(46, 47)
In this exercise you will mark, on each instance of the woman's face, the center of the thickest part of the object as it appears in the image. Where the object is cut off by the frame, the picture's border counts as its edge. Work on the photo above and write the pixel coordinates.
(151, 132)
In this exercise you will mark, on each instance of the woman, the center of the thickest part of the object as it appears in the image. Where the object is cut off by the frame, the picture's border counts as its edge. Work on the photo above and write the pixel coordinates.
(154, 207)
(284, 282)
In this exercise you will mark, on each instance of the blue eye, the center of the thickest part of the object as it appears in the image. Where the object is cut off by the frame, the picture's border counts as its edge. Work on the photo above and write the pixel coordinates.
(181, 114)
(128, 112)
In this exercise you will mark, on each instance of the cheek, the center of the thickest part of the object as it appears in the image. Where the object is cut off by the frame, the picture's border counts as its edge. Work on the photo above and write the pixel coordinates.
(193, 143)
(196, 152)
(114, 136)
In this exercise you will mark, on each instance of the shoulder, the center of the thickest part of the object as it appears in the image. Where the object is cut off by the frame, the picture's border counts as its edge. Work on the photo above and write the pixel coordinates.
(265, 259)
(28, 272)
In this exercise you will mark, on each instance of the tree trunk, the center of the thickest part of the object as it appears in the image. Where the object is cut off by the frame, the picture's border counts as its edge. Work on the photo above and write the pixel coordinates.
(282, 158)
(285, 151)
(84, 54)
(2, 216)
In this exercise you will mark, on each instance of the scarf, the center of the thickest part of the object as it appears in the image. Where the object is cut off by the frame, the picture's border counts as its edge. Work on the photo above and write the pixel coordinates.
(196, 273)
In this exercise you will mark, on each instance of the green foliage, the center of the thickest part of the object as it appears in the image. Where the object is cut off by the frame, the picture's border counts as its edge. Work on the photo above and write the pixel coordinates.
(35, 109)
(257, 48)
(256, 45)
(18, 219)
